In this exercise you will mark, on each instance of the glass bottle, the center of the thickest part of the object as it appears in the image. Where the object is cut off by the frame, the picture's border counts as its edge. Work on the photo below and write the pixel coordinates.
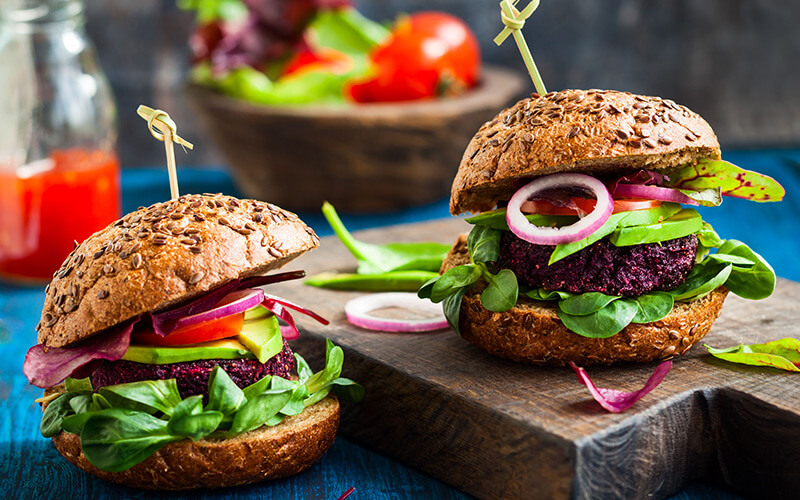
(59, 173)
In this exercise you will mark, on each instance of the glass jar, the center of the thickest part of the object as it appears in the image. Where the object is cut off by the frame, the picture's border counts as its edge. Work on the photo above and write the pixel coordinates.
(59, 173)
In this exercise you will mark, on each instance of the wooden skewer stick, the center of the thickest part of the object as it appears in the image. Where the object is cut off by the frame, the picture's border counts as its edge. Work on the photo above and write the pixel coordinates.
(514, 20)
(163, 128)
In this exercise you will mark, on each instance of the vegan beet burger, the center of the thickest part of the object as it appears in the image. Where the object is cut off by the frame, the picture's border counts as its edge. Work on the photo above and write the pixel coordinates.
(585, 248)
(164, 365)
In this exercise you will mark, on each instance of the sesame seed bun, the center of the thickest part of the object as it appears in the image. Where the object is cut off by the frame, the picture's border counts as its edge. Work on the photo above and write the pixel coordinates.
(587, 131)
(164, 254)
(262, 454)
(531, 331)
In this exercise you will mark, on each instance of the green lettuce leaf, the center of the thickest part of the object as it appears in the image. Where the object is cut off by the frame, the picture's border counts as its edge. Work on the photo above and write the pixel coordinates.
(753, 282)
(483, 244)
(212, 10)
(346, 30)
(603, 323)
(783, 354)
(116, 439)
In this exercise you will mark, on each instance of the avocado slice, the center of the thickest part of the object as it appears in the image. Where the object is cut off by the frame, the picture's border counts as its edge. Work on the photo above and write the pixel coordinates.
(215, 349)
(257, 312)
(683, 223)
(262, 337)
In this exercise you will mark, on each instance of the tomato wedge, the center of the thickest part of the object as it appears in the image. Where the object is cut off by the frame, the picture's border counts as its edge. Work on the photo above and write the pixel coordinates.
(587, 205)
(229, 326)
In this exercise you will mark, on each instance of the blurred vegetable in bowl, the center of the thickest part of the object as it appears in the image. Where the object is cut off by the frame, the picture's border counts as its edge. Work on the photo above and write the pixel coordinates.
(290, 52)
(428, 54)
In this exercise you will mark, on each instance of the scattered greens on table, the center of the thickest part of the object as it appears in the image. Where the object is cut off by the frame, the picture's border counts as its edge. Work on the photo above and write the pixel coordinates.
(121, 425)
(381, 268)
(783, 354)
(593, 314)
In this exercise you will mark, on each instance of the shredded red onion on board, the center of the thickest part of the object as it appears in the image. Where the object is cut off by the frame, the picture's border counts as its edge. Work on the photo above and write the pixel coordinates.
(347, 493)
(618, 401)
(358, 312)
(47, 366)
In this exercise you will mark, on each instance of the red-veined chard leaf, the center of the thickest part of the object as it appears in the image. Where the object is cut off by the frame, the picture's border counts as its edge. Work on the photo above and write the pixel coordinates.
(730, 179)
(783, 354)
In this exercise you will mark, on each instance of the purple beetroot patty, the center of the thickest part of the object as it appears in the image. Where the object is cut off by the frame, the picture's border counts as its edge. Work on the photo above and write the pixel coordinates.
(192, 376)
(601, 267)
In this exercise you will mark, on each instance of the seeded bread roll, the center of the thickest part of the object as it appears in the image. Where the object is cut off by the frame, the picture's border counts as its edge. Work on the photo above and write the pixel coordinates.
(259, 455)
(167, 253)
(591, 131)
(531, 331)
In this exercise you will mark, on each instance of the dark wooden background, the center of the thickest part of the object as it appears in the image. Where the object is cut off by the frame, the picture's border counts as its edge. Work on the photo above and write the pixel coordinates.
(733, 61)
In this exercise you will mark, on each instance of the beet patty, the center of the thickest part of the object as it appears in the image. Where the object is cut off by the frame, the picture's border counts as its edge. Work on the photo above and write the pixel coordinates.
(192, 376)
(601, 267)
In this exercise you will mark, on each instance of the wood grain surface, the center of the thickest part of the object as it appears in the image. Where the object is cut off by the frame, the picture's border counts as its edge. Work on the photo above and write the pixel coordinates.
(496, 429)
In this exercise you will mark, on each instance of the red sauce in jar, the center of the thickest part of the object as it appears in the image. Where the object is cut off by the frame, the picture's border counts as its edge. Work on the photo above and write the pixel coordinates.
(48, 204)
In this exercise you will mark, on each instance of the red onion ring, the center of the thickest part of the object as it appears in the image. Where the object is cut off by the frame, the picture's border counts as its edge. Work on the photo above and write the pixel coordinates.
(234, 302)
(358, 313)
(653, 193)
(539, 235)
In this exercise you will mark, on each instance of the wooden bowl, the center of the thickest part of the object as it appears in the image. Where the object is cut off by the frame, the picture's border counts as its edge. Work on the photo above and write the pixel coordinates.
(372, 157)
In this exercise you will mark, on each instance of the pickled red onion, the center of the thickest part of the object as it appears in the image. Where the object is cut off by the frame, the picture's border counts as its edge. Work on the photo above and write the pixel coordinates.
(539, 235)
(358, 313)
(653, 193)
(234, 302)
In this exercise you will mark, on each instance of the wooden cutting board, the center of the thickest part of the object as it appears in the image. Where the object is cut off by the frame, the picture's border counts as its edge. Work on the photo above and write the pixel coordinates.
(496, 429)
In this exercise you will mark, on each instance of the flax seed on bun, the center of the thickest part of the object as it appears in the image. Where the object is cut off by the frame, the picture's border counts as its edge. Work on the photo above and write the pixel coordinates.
(167, 253)
(587, 131)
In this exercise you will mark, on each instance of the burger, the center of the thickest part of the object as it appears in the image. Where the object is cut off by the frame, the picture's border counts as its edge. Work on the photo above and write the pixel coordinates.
(165, 365)
(585, 247)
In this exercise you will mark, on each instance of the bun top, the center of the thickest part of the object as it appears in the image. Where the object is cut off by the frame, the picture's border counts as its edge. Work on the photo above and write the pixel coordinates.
(589, 131)
(164, 254)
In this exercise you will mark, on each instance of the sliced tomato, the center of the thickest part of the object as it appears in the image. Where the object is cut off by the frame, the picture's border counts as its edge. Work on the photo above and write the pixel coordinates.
(222, 328)
(586, 205)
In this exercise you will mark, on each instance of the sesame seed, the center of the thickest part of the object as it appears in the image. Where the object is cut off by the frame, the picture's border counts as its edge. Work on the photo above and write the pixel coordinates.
(196, 277)
(102, 294)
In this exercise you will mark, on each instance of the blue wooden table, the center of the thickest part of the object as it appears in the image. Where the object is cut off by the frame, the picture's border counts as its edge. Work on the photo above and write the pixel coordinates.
(30, 467)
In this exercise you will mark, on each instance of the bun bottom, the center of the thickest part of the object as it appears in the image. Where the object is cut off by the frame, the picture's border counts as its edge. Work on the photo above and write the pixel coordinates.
(262, 454)
(531, 332)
